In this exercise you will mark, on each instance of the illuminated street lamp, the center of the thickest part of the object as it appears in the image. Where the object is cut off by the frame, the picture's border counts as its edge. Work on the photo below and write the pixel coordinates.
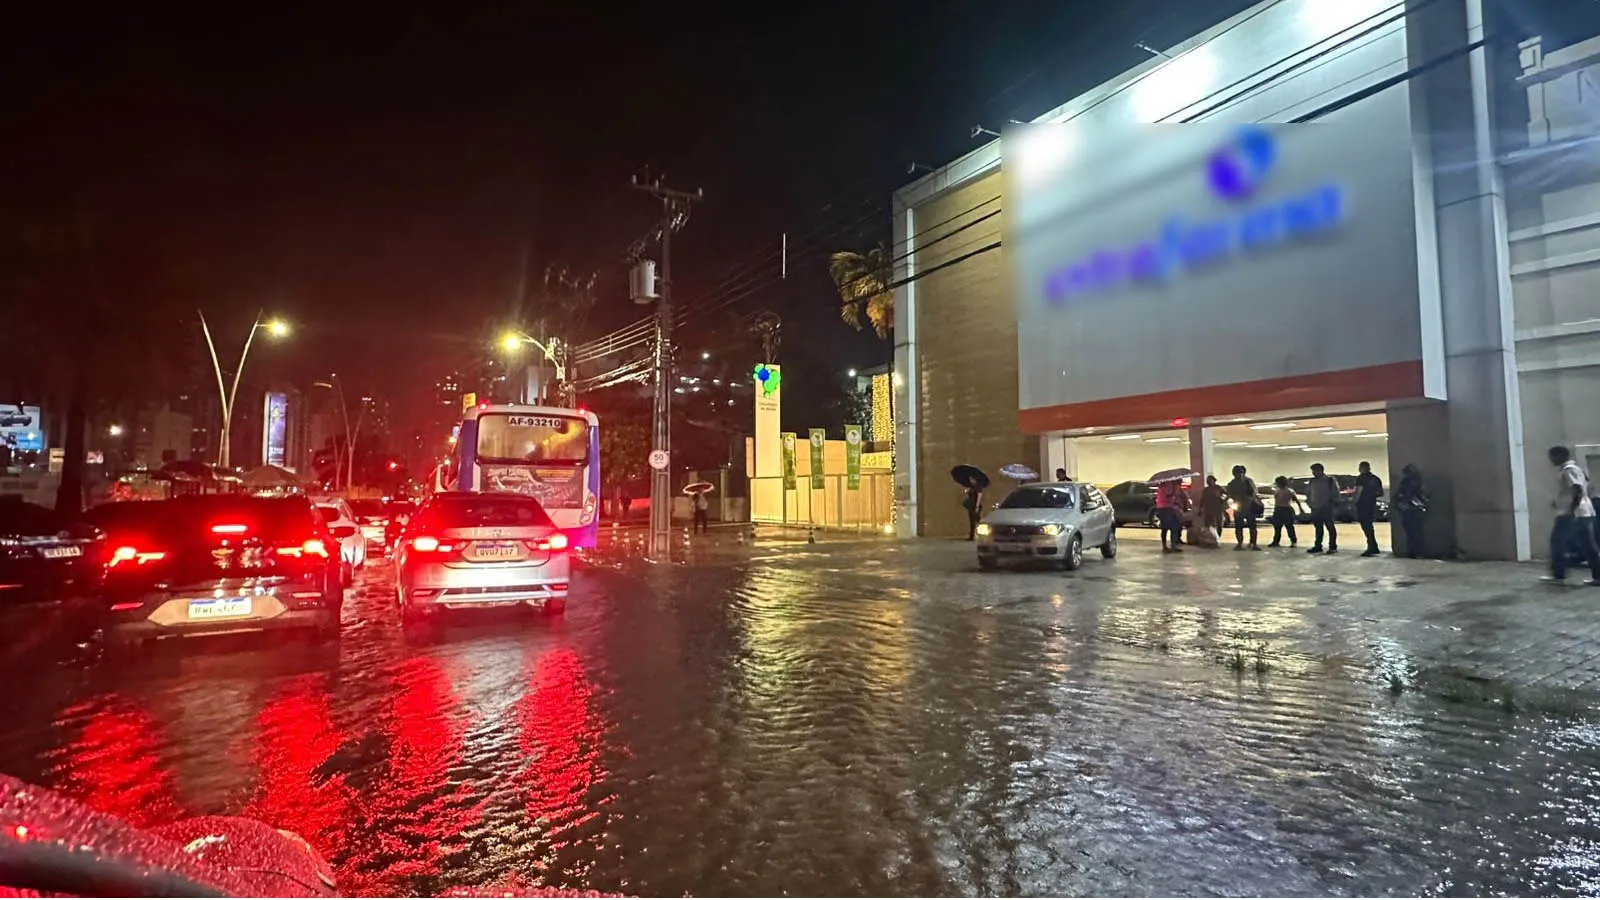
(114, 431)
(511, 342)
(276, 328)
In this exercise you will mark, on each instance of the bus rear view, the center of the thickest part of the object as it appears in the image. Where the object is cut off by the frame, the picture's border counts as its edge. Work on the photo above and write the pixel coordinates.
(548, 453)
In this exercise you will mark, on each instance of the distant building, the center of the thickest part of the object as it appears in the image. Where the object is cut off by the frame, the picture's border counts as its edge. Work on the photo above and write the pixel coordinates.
(160, 430)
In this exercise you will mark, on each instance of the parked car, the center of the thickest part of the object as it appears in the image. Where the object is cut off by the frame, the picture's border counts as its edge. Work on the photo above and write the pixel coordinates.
(1049, 522)
(217, 563)
(473, 550)
(342, 524)
(44, 556)
(1134, 502)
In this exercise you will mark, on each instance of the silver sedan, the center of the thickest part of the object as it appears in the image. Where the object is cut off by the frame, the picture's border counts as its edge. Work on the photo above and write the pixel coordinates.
(1049, 522)
(473, 550)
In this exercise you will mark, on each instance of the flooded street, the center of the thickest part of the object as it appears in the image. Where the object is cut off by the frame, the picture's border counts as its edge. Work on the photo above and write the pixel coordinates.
(847, 718)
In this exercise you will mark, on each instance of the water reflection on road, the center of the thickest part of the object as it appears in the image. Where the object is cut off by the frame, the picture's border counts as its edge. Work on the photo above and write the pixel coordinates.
(823, 723)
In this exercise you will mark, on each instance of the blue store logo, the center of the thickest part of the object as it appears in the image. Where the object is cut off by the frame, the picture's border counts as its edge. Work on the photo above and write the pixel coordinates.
(1235, 173)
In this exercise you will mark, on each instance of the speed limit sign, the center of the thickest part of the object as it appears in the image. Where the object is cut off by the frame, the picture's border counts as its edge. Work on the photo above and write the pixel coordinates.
(658, 459)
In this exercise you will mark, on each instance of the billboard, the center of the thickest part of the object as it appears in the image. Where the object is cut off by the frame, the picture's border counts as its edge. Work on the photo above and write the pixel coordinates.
(275, 430)
(1215, 261)
(21, 428)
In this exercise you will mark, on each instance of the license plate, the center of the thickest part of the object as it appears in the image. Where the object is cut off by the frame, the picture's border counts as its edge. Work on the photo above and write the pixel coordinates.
(223, 608)
(488, 551)
(1013, 548)
(61, 552)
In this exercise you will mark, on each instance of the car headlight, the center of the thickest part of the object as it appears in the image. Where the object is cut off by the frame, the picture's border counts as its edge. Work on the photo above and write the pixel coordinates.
(1051, 530)
(983, 529)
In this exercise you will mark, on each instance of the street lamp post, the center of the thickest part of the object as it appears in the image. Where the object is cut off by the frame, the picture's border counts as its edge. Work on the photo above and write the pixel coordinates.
(334, 384)
(511, 342)
(275, 328)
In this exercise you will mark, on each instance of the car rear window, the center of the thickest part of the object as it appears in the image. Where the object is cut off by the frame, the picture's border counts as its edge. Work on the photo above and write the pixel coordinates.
(194, 516)
(367, 508)
(329, 514)
(484, 510)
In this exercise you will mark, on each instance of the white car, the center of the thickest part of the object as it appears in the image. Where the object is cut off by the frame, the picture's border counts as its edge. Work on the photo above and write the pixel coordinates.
(341, 521)
(1048, 522)
(480, 550)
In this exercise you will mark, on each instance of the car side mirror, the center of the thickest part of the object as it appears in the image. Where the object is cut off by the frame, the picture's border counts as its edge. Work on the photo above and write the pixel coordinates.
(342, 531)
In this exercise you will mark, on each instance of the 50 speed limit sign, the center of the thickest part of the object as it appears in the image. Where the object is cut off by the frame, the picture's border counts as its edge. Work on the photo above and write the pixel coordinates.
(658, 459)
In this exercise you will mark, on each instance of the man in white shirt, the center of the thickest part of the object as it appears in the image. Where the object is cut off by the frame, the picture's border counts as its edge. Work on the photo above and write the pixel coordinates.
(1574, 525)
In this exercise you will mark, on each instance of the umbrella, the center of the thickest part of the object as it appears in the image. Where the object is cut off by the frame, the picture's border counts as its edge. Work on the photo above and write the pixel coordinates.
(1018, 472)
(970, 476)
(1172, 475)
(271, 477)
(699, 487)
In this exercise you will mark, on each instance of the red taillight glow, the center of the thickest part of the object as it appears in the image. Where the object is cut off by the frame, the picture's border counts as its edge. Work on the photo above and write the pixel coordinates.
(557, 541)
(230, 528)
(130, 555)
(427, 543)
(312, 547)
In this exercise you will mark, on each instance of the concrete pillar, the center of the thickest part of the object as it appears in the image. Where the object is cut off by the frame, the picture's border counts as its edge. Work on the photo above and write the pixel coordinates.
(904, 379)
(1057, 452)
(1472, 446)
(1200, 458)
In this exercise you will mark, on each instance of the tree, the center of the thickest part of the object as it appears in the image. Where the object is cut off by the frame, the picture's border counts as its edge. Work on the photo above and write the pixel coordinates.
(624, 448)
(862, 280)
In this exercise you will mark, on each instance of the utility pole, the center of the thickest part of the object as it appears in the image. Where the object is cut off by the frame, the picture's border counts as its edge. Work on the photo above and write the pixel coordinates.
(675, 214)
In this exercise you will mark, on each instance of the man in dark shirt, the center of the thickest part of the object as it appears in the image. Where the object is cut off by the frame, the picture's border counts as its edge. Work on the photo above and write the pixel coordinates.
(1369, 488)
(1322, 492)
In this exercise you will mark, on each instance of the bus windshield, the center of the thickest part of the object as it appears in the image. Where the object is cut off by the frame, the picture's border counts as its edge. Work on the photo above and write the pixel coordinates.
(514, 438)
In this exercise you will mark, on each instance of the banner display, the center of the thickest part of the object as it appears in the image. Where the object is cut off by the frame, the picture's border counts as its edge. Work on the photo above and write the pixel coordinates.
(789, 439)
(819, 438)
(852, 457)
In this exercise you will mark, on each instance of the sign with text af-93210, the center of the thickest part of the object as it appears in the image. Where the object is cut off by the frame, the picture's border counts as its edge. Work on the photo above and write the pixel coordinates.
(536, 422)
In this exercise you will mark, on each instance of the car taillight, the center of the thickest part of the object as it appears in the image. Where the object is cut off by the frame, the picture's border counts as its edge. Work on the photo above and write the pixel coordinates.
(129, 555)
(229, 528)
(427, 543)
(312, 547)
(557, 541)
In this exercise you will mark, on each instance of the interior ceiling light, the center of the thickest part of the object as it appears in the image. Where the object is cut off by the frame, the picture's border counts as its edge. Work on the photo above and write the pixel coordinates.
(1163, 440)
(1269, 426)
(1344, 431)
(1230, 444)
(1313, 428)
(1315, 449)
(1124, 437)
(1260, 446)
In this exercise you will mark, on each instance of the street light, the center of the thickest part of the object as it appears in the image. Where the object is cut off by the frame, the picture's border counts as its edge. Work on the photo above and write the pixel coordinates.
(511, 342)
(349, 464)
(114, 431)
(851, 373)
(276, 328)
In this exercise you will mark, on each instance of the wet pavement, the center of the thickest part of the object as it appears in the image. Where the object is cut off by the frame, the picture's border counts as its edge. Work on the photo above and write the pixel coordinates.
(874, 717)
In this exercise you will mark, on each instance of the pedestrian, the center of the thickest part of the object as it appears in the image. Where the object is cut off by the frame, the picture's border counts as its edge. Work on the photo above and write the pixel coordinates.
(1322, 493)
(1242, 491)
(972, 501)
(702, 513)
(1574, 524)
(1171, 502)
(1061, 475)
(1285, 505)
(1369, 488)
(1212, 501)
(1411, 502)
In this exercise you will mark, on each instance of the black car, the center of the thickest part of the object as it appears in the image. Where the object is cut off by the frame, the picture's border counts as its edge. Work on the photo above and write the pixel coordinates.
(218, 563)
(1134, 503)
(44, 556)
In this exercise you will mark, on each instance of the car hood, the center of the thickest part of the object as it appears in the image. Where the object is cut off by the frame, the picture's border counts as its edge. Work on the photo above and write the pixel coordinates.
(1031, 517)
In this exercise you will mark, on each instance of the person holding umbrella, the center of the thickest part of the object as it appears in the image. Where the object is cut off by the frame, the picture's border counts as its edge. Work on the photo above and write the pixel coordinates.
(972, 480)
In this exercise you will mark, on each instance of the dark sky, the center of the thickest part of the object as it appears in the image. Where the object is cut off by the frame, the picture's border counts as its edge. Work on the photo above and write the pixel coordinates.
(372, 170)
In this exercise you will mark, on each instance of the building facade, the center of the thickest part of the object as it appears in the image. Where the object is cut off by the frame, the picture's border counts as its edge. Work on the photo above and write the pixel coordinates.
(1304, 235)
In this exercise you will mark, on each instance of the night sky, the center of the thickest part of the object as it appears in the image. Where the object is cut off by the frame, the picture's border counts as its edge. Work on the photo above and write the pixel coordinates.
(374, 171)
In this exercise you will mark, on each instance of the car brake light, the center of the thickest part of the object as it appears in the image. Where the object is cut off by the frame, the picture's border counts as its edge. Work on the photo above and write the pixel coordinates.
(557, 541)
(312, 547)
(130, 555)
(230, 528)
(427, 543)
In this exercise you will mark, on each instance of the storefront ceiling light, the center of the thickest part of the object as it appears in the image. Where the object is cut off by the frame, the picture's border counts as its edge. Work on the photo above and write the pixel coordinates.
(1292, 446)
(1315, 449)
(1124, 437)
(1163, 440)
(1260, 446)
(1313, 428)
(1270, 426)
(1345, 431)
(1381, 434)
(1230, 444)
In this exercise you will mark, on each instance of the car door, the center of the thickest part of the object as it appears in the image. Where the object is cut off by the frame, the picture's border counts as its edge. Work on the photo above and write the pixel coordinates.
(1099, 516)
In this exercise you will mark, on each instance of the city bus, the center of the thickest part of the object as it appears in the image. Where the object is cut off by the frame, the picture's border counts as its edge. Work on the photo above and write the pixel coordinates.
(547, 452)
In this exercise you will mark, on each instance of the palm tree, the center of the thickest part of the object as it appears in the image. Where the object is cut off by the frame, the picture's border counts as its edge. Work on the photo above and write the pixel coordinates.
(863, 283)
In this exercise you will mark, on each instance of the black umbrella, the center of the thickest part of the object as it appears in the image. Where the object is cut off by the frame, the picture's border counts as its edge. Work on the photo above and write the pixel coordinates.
(970, 476)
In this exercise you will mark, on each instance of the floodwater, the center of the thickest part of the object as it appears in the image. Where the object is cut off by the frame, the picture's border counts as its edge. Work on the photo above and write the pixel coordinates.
(834, 719)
